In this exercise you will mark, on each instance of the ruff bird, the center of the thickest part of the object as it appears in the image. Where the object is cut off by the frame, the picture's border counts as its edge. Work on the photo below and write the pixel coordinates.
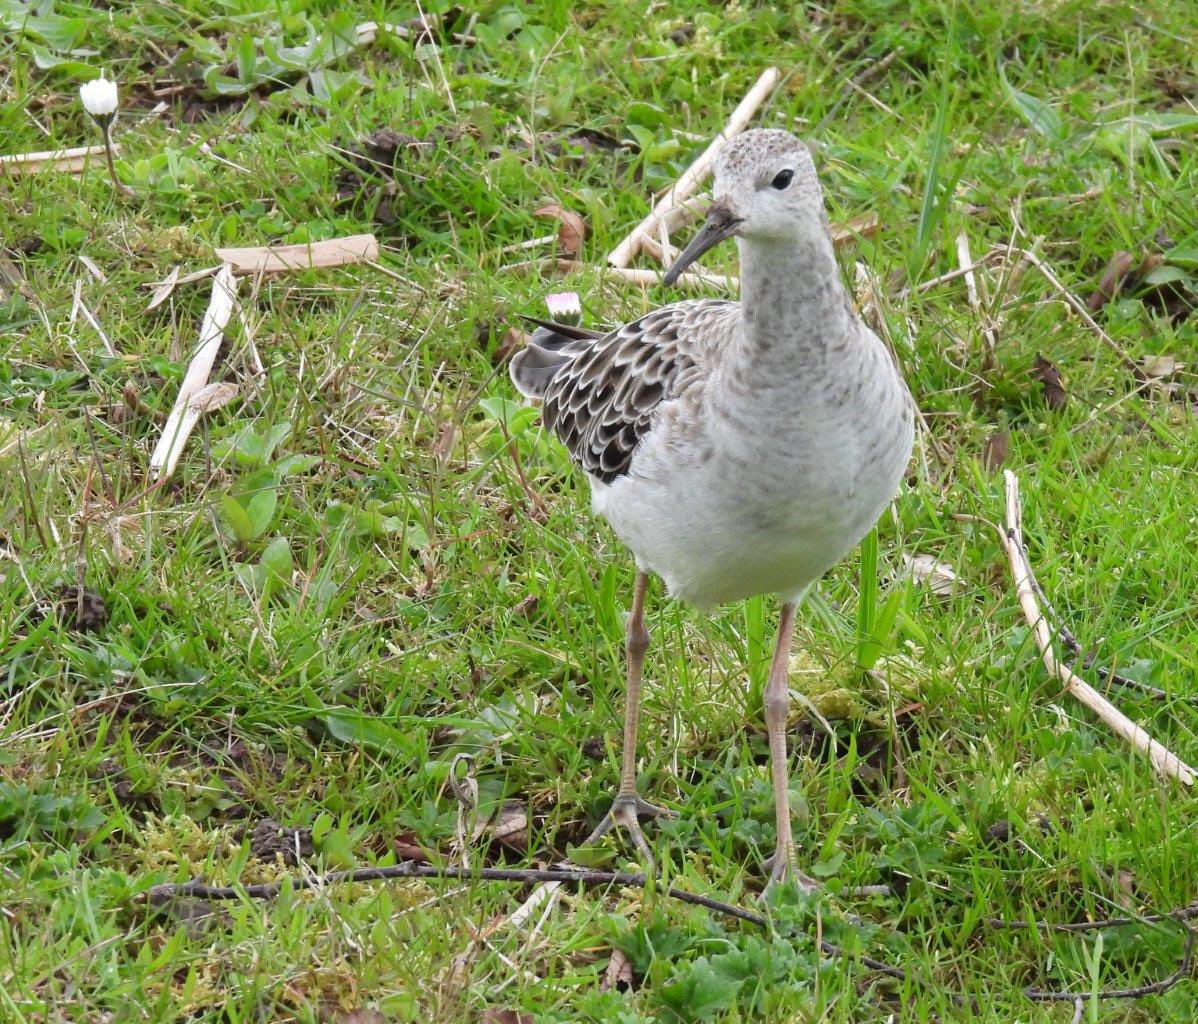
(737, 448)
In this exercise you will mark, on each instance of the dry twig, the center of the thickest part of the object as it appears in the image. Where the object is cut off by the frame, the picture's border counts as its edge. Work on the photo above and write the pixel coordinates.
(1163, 760)
(693, 176)
(186, 413)
(160, 895)
(1074, 303)
(972, 282)
(72, 161)
(275, 259)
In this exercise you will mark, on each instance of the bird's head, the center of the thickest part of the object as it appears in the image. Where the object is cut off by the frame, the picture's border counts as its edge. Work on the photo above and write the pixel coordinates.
(765, 189)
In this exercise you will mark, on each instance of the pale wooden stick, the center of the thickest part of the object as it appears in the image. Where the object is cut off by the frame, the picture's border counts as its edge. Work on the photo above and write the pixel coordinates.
(694, 175)
(1075, 304)
(275, 259)
(186, 413)
(89, 316)
(842, 234)
(864, 226)
(70, 160)
(1163, 760)
(697, 280)
(173, 279)
(966, 265)
(952, 275)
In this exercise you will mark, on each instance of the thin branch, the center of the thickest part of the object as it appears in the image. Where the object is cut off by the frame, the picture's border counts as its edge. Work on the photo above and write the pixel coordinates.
(161, 894)
(1066, 636)
(1163, 760)
(1187, 913)
(1042, 995)
(1088, 659)
(693, 176)
(184, 416)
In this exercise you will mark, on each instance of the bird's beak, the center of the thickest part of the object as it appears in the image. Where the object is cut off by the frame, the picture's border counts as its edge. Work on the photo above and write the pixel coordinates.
(721, 223)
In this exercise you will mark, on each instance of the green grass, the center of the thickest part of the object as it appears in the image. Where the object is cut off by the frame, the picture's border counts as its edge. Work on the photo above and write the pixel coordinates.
(420, 604)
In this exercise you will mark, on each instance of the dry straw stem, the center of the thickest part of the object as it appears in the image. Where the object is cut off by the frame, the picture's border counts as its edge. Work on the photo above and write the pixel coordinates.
(332, 252)
(700, 280)
(73, 161)
(1163, 760)
(1074, 303)
(966, 265)
(279, 259)
(186, 413)
(693, 176)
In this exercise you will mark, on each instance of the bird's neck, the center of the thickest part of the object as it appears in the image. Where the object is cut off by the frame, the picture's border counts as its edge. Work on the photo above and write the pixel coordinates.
(793, 303)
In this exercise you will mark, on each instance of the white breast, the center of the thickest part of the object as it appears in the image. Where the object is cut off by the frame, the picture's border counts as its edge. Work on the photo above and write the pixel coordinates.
(758, 512)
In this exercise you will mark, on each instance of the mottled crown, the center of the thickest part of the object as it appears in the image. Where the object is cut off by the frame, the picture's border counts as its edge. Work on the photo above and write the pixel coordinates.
(755, 150)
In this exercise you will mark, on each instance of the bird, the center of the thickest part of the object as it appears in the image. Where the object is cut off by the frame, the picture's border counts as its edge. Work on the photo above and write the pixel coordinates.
(737, 448)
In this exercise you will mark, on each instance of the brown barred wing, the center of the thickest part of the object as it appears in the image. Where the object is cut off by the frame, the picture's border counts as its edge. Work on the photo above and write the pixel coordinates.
(602, 403)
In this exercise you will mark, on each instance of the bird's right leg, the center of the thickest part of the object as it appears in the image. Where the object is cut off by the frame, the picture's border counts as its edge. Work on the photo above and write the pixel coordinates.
(628, 806)
(777, 707)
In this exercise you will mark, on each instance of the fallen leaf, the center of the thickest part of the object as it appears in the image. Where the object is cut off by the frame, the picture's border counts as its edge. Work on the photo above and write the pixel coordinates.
(509, 825)
(493, 1016)
(213, 396)
(359, 1016)
(995, 450)
(407, 847)
(571, 229)
(939, 576)
(1161, 366)
(445, 438)
(1112, 280)
(1050, 377)
(618, 976)
(527, 605)
(92, 269)
(162, 290)
(511, 343)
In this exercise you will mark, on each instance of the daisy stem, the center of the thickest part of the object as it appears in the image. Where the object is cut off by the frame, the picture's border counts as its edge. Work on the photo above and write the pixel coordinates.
(106, 129)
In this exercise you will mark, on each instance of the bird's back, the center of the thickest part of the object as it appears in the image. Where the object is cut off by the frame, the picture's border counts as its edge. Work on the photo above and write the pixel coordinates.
(603, 393)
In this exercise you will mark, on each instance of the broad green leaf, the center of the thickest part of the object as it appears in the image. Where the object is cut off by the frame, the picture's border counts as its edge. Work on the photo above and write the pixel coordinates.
(57, 33)
(47, 61)
(247, 59)
(1166, 123)
(364, 730)
(276, 560)
(516, 418)
(276, 434)
(293, 464)
(236, 518)
(250, 576)
(1035, 111)
(261, 510)
(646, 114)
(1183, 257)
(1167, 274)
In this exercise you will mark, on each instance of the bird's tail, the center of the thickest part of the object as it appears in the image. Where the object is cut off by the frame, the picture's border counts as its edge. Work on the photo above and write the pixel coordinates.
(550, 348)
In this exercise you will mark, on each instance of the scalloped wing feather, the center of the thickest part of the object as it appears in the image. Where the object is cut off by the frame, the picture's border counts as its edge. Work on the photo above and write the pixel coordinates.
(602, 395)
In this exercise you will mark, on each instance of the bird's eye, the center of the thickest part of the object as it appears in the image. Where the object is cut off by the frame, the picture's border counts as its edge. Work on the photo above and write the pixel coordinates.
(782, 179)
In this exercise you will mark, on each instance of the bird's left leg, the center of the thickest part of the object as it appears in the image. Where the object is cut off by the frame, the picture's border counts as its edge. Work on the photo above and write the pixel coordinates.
(629, 806)
(777, 706)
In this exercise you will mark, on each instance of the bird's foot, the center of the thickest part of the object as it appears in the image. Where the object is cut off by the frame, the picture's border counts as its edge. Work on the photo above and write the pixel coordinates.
(784, 867)
(625, 812)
